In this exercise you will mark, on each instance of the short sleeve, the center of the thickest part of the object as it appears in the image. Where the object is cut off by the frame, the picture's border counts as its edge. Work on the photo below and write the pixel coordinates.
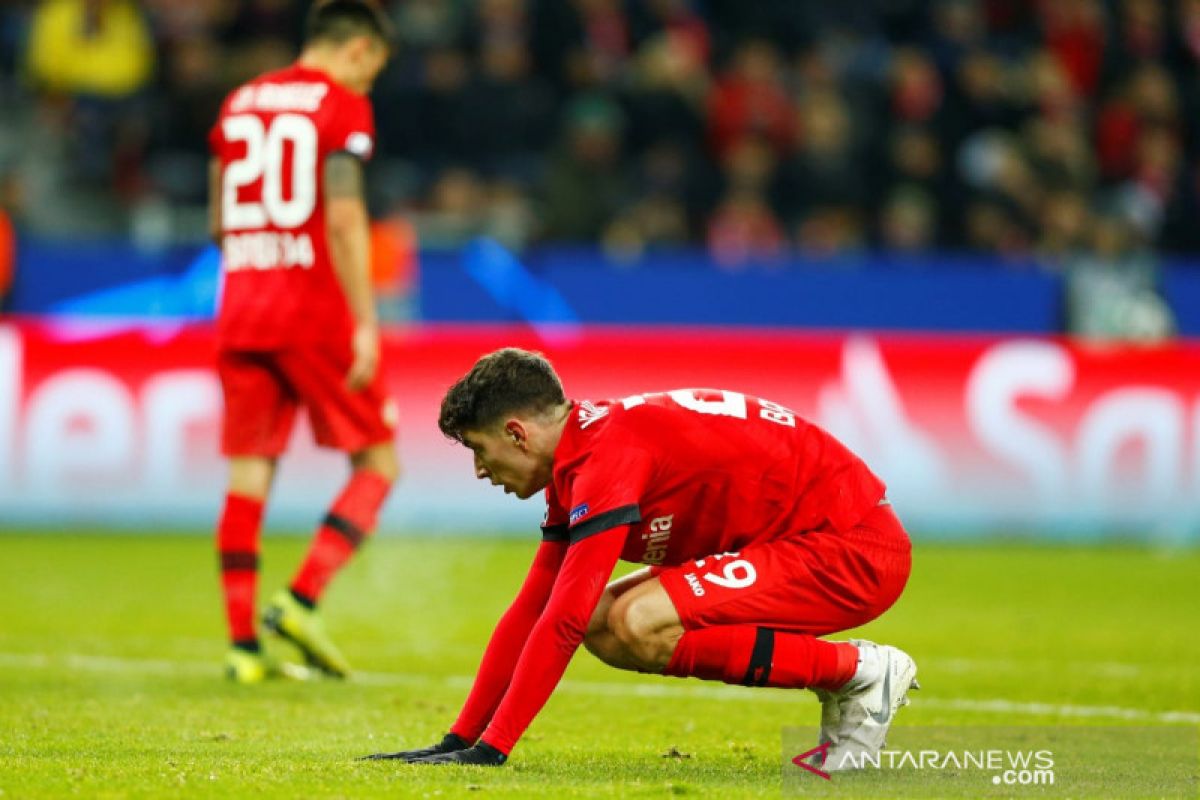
(353, 129)
(607, 488)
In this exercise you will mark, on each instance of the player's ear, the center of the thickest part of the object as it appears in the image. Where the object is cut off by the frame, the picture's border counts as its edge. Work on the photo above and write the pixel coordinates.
(516, 432)
(365, 46)
(354, 49)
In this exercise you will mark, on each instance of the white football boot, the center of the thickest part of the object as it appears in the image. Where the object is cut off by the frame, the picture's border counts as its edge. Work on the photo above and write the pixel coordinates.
(831, 715)
(856, 718)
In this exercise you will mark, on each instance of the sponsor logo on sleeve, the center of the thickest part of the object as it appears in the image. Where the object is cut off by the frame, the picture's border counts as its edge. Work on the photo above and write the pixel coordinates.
(578, 512)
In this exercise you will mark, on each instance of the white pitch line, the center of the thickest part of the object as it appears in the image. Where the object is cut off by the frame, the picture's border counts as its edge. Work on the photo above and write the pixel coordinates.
(648, 689)
(1054, 709)
(1116, 670)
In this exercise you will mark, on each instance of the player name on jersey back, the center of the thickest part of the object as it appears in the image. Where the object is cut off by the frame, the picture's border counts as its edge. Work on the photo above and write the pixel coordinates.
(279, 97)
(268, 250)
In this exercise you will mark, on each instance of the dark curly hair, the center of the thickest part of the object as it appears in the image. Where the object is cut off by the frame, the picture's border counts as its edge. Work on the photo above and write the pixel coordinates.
(504, 382)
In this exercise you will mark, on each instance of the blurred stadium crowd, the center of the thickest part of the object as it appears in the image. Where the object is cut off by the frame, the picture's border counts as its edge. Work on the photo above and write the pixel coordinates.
(1029, 128)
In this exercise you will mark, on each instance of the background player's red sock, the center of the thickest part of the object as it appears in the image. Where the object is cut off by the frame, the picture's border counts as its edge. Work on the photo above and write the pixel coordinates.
(751, 656)
(237, 547)
(348, 523)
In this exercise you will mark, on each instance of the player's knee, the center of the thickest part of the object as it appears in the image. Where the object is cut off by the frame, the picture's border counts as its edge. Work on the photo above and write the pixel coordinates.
(604, 646)
(598, 624)
(618, 622)
(251, 476)
(381, 460)
(389, 470)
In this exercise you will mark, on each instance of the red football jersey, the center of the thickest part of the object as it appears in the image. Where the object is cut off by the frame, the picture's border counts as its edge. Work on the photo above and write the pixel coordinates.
(272, 138)
(696, 472)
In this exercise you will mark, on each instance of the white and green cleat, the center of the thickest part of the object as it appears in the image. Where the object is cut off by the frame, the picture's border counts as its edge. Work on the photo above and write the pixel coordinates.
(856, 718)
(289, 618)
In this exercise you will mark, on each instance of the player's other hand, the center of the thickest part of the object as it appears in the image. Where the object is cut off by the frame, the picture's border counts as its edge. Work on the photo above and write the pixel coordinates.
(481, 755)
(365, 349)
(450, 743)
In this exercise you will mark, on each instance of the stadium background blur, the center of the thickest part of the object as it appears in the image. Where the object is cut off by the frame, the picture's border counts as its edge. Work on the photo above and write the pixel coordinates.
(620, 172)
(1051, 134)
(883, 213)
(900, 168)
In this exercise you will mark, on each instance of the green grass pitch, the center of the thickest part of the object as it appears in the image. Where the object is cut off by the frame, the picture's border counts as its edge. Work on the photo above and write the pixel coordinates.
(110, 686)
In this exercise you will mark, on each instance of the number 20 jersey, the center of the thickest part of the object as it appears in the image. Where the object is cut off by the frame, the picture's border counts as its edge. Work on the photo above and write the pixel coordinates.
(272, 138)
(697, 472)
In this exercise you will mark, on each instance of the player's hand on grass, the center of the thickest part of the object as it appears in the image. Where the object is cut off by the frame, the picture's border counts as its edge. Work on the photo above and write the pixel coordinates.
(450, 743)
(365, 348)
(481, 755)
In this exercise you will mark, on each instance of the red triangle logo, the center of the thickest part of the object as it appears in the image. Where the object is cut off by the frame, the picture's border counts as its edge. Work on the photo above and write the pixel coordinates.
(802, 760)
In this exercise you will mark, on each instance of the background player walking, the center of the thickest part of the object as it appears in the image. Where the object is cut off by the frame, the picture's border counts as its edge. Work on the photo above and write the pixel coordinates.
(761, 532)
(297, 323)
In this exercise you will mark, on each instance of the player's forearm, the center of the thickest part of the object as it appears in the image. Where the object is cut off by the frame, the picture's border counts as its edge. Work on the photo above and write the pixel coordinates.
(350, 251)
(556, 636)
(215, 230)
(349, 234)
(495, 671)
(504, 648)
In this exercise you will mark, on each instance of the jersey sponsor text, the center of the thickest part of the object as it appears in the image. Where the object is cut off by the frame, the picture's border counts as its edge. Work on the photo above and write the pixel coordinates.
(657, 538)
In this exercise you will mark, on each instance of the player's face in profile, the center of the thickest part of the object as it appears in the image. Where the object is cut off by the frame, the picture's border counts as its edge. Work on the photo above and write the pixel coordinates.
(501, 459)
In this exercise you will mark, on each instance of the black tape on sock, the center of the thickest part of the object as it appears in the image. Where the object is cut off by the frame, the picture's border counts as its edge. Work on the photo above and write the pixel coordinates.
(759, 671)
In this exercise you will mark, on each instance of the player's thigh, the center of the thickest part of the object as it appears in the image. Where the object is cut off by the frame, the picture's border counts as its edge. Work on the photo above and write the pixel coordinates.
(644, 610)
(615, 589)
(259, 404)
(815, 583)
(351, 421)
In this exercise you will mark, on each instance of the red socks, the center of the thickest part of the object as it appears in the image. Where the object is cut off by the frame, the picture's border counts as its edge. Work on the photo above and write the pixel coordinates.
(348, 523)
(753, 656)
(237, 546)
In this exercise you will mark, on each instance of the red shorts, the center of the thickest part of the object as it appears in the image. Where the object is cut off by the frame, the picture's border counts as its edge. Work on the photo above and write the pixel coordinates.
(263, 389)
(817, 582)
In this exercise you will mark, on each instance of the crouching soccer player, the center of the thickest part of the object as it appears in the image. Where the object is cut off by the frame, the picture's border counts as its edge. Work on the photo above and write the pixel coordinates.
(761, 531)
